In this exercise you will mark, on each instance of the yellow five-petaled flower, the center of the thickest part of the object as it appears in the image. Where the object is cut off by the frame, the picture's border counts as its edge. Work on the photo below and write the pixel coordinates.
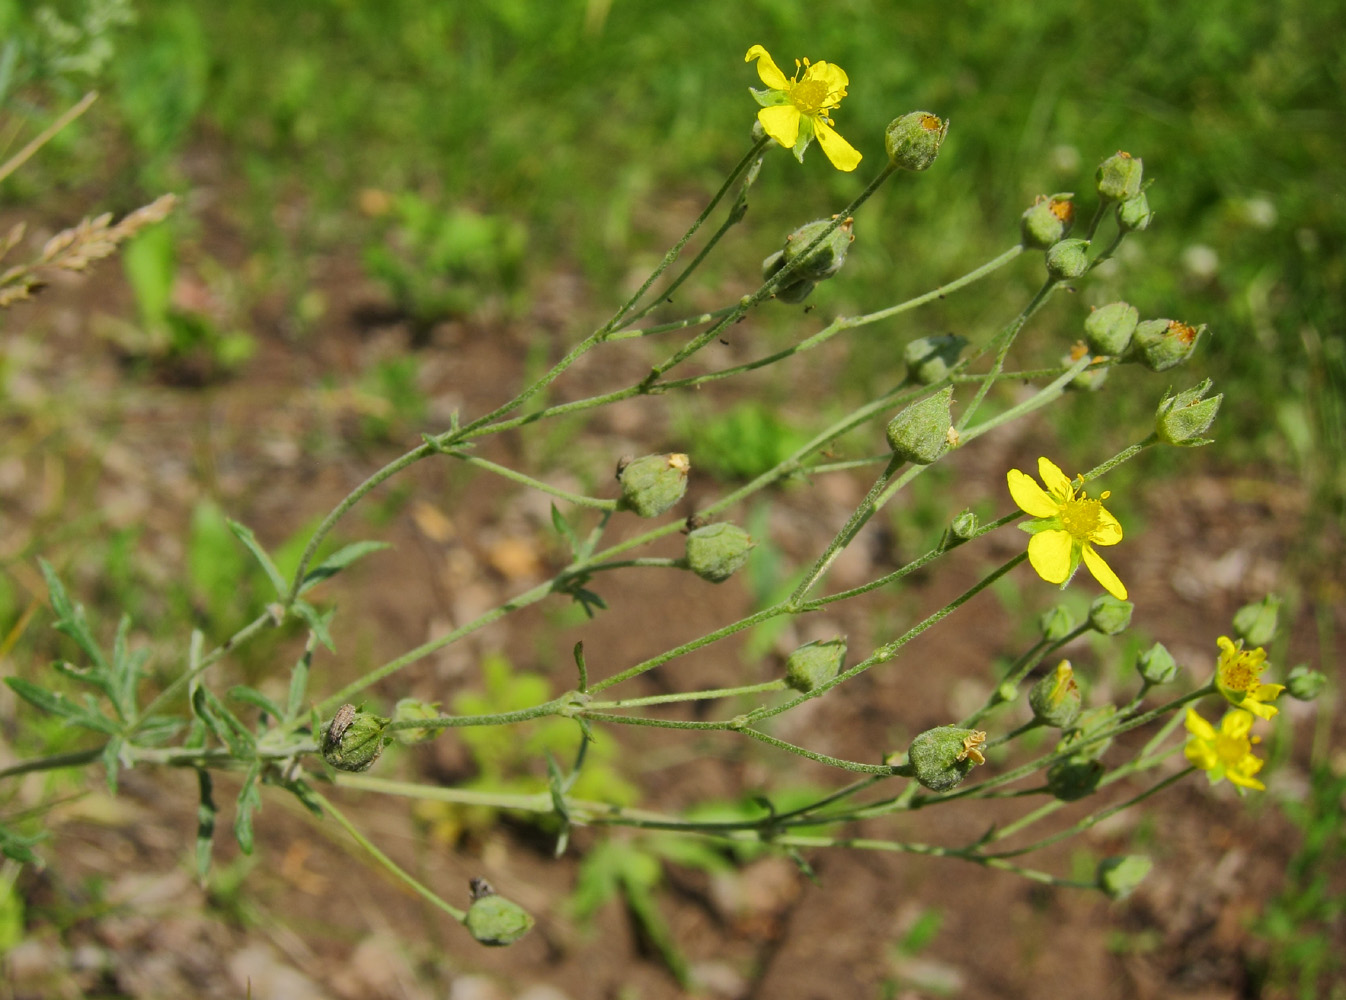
(1067, 527)
(1226, 753)
(1239, 678)
(795, 110)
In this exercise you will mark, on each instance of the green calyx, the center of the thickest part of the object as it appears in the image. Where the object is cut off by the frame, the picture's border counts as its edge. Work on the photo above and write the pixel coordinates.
(941, 758)
(921, 433)
(653, 484)
(912, 141)
(716, 551)
(815, 663)
(354, 739)
(494, 920)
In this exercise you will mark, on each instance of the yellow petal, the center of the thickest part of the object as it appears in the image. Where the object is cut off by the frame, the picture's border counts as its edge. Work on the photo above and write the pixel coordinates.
(1056, 481)
(1103, 573)
(1236, 723)
(1029, 495)
(1109, 530)
(843, 155)
(834, 76)
(1240, 779)
(1198, 726)
(1200, 754)
(781, 123)
(768, 71)
(1049, 554)
(1257, 708)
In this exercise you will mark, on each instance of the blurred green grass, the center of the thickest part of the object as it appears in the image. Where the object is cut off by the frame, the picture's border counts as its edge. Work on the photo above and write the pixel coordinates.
(596, 123)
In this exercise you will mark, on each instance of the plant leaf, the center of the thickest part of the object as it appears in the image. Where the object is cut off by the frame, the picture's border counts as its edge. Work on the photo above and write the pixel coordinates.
(317, 621)
(338, 561)
(246, 536)
(59, 704)
(205, 825)
(251, 696)
(249, 799)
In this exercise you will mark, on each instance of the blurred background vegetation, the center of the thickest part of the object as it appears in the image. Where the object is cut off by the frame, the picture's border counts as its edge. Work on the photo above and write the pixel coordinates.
(489, 144)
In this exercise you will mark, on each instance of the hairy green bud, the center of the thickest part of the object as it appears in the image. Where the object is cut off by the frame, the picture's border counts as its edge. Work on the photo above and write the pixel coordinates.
(1255, 623)
(414, 710)
(1119, 876)
(929, 359)
(1056, 623)
(1068, 259)
(494, 920)
(815, 663)
(941, 758)
(1119, 177)
(1047, 221)
(717, 551)
(913, 141)
(1184, 417)
(1056, 699)
(921, 432)
(965, 525)
(1160, 344)
(1304, 684)
(1109, 615)
(1108, 329)
(827, 257)
(1134, 215)
(1074, 778)
(1156, 665)
(653, 484)
(354, 739)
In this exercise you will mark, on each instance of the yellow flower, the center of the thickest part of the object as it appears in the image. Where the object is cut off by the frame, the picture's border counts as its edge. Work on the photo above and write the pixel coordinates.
(1067, 528)
(796, 110)
(1227, 753)
(1239, 678)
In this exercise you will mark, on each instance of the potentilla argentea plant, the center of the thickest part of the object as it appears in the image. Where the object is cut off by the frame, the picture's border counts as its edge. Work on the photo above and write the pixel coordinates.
(316, 738)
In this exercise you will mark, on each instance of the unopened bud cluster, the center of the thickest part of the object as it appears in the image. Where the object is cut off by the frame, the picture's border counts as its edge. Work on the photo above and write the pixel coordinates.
(941, 758)
(354, 739)
(815, 663)
(715, 552)
(653, 484)
(809, 266)
(912, 141)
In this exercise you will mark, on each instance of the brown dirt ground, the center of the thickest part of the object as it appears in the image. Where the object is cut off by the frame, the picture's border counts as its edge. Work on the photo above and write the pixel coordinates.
(117, 913)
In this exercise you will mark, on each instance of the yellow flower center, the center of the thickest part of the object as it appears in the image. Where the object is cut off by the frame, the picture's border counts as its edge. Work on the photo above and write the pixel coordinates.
(1080, 517)
(810, 97)
(1238, 674)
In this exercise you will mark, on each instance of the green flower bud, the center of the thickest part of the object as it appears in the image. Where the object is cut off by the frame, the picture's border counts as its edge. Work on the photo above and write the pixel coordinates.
(824, 260)
(1134, 215)
(1078, 775)
(653, 484)
(815, 663)
(1305, 684)
(494, 920)
(717, 551)
(941, 758)
(913, 140)
(354, 739)
(1056, 623)
(1255, 623)
(1119, 177)
(1068, 259)
(1109, 615)
(411, 710)
(1092, 378)
(921, 432)
(1161, 344)
(1108, 329)
(1055, 699)
(1074, 778)
(1047, 221)
(930, 358)
(797, 292)
(1156, 665)
(1184, 417)
(1119, 876)
(965, 525)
